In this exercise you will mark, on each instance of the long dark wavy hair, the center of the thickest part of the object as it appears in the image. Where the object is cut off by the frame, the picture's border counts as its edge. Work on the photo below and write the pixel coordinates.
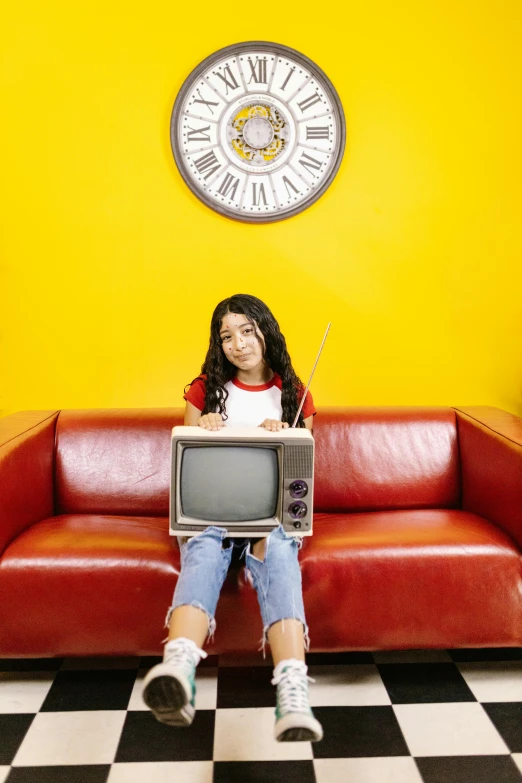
(219, 370)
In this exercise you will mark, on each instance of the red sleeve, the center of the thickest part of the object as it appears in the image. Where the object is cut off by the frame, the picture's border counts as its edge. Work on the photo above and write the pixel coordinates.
(196, 394)
(308, 407)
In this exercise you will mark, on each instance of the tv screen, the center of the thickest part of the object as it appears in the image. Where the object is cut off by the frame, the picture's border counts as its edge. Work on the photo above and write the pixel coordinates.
(236, 483)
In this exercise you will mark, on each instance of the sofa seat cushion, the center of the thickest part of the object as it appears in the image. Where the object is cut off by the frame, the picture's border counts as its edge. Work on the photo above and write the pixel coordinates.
(441, 578)
(86, 584)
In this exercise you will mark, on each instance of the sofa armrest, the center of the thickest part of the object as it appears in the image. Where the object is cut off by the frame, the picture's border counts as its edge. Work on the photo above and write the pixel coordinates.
(490, 445)
(26, 471)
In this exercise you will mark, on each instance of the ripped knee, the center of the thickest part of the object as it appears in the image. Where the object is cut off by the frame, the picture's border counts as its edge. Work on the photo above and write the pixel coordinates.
(259, 550)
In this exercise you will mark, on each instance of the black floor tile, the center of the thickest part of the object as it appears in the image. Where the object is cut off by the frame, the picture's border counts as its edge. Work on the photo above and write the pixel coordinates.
(90, 690)
(145, 739)
(507, 717)
(349, 731)
(359, 731)
(264, 772)
(487, 654)
(148, 661)
(70, 774)
(423, 683)
(13, 729)
(245, 686)
(30, 664)
(338, 659)
(469, 769)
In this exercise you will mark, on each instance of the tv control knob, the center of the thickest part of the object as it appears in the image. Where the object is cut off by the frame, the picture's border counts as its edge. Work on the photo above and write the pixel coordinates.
(298, 489)
(297, 509)
(297, 524)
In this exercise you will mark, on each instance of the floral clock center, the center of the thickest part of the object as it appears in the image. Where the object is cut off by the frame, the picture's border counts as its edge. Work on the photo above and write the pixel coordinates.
(258, 133)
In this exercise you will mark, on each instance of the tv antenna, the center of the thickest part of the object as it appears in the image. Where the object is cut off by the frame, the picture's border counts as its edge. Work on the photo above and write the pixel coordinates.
(311, 376)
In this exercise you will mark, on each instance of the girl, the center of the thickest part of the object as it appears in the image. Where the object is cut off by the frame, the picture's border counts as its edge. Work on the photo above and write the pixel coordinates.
(247, 379)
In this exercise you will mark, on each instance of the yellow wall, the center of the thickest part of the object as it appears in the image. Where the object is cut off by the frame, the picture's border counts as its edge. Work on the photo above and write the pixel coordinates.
(110, 267)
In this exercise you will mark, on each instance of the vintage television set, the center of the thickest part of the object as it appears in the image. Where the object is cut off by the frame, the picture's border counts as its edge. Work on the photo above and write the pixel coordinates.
(247, 480)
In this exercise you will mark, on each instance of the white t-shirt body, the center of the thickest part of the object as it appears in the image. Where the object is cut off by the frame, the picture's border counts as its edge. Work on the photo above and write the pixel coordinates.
(250, 408)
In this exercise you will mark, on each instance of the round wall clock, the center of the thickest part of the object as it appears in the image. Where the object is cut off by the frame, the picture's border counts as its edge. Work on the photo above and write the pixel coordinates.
(258, 131)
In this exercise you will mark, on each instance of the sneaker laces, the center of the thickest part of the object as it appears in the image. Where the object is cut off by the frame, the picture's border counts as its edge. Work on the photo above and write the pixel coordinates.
(292, 681)
(184, 653)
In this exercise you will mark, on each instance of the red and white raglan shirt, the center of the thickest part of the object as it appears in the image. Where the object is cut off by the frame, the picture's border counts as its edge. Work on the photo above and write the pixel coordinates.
(249, 406)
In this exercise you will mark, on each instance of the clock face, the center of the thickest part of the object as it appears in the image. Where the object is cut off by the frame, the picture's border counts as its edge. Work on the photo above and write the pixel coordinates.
(258, 131)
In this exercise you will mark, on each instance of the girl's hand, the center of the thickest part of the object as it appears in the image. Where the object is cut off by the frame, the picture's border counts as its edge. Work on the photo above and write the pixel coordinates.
(273, 425)
(211, 421)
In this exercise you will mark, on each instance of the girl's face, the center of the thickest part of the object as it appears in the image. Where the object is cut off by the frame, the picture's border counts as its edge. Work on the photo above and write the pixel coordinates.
(240, 343)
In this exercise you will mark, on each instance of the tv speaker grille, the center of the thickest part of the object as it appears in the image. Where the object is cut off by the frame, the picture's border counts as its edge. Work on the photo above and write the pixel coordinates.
(299, 462)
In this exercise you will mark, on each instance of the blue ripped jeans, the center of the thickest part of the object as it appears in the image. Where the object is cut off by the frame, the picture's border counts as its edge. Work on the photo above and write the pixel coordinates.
(277, 579)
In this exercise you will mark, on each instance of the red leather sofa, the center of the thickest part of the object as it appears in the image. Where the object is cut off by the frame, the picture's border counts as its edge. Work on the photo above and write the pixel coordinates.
(417, 533)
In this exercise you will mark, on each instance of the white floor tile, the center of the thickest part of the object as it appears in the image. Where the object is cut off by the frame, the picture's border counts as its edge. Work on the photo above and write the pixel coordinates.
(412, 656)
(56, 738)
(454, 729)
(494, 681)
(206, 690)
(136, 702)
(248, 735)
(4, 772)
(162, 772)
(346, 686)
(398, 769)
(517, 758)
(24, 691)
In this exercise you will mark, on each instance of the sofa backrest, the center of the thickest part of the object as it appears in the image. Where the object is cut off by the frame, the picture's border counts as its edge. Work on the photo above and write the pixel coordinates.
(373, 459)
(118, 461)
(114, 461)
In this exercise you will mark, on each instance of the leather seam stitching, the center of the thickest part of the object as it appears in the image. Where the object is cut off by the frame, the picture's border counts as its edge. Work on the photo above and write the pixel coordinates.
(24, 432)
(489, 427)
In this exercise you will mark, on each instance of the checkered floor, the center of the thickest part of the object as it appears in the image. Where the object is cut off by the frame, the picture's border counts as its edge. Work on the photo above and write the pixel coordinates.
(403, 717)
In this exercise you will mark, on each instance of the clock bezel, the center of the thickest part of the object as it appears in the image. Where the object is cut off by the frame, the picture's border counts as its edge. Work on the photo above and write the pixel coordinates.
(237, 50)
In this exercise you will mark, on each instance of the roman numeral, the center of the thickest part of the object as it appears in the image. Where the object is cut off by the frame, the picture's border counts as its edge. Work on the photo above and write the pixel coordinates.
(310, 164)
(317, 132)
(257, 197)
(208, 161)
(286, 183)
(228, 73)
(229, 184)
(198, 134)
(207, 103)
(310, 101)
(258, 75)
(290, 74)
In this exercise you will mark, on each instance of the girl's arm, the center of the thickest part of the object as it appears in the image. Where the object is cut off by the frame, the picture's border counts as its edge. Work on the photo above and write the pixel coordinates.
(309, 423)
(192, 415)
(193, 418)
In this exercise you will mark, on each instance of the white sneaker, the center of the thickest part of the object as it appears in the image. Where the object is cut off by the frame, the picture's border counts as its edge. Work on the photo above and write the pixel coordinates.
(169, 689)
(295, 720)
